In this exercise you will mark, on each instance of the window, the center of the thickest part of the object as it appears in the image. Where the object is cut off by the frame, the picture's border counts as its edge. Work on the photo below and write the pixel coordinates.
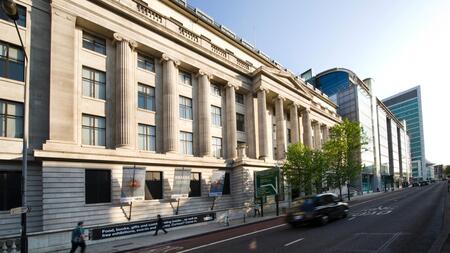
(94, 83)
(226, 184)
(240, 122)
(10, 190)
(11, 62)
(22, 11)
(147, 137)
(146, 97)
(153, 185)
(97, 186)
(11, 119)
(216, 115)
(195, 185)
(93, 129)
(186, 143)
(185, 108)
(146, 63)
(215, 90)
(94, 43)
(288, 132)
(239, 98)
(217, 147)
(185, 77)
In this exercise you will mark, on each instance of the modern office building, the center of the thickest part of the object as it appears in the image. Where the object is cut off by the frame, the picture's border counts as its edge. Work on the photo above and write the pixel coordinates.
(407, 105)
(385, 157)
(147, 85)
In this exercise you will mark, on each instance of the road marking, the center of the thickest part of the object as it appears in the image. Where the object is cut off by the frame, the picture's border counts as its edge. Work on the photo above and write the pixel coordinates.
(389, 242)
(370, 200)
(298, 240)
(352, 218)
(232, 238)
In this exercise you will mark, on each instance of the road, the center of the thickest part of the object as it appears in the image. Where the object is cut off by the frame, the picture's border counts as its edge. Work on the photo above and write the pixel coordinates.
(402, 221)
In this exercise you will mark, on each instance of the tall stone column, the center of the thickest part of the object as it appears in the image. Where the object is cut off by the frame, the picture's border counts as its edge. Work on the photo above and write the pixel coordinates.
(125, 93)
(325, 133)
(170, 104)
(231, 121)
(317, 136)
(204, 114)
(281, 129)
(307, 131)
(295, 128)
(262, 124)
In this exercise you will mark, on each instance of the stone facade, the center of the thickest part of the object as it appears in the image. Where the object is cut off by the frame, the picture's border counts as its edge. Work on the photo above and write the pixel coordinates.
(262, 108)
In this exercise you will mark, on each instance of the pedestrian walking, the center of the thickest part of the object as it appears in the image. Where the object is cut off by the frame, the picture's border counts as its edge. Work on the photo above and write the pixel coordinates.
(78, 238)
(159, 225)
(256, 209)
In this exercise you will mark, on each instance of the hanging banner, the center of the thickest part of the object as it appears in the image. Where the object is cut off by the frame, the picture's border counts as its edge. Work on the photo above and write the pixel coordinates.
(217, 183)
(181, 183)
(133, 184)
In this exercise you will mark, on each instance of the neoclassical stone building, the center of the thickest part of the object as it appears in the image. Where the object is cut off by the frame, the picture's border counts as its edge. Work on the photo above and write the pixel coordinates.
(153, 84)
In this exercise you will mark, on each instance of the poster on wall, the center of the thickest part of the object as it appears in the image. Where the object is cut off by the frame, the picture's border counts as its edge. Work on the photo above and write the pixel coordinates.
(181, 183)
(217, 183)
(133, 184)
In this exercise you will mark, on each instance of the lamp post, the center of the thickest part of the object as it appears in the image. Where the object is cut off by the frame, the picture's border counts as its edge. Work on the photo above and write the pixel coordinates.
(10, 8)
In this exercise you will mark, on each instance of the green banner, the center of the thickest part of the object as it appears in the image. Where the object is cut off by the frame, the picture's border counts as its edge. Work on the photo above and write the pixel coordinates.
(266, 182)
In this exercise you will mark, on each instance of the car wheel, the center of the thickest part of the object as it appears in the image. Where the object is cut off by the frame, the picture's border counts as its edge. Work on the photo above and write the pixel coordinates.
(344, 213)
(324, 219)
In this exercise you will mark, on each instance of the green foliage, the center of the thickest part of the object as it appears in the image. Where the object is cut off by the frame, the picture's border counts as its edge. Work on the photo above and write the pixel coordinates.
(343, 151)
(447, 170)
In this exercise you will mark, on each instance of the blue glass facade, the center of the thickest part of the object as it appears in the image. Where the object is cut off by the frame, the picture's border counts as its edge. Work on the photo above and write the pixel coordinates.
(407, 106)
(332, 83)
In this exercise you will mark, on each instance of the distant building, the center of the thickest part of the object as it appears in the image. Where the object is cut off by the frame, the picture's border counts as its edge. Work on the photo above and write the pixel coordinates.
(407, 106)
(385, 158)
(439, 171)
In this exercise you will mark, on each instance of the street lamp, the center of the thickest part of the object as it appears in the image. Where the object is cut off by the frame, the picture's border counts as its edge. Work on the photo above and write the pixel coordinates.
(10, 9)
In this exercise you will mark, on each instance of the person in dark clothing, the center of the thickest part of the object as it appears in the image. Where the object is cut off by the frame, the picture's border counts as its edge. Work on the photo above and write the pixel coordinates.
(159, 225)
(78, 239)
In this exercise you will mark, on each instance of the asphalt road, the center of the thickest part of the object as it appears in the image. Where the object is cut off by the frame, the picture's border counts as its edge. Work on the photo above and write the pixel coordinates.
(403, 221)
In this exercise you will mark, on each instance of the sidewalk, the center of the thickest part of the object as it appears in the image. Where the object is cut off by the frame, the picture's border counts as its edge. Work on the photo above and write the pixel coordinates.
(147, 239)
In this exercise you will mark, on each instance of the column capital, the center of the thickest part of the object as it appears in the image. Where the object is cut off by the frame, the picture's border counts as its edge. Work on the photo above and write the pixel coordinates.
(262, 88)
(119, 38)
(201, 72)
(166, 57)
(233, 85)
(279, 97)
(294, 104)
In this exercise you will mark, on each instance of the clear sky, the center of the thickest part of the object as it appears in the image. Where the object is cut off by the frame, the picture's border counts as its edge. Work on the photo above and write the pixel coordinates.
(400, 44)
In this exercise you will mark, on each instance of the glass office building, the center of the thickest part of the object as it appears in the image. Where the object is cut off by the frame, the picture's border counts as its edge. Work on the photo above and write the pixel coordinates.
(407, 106)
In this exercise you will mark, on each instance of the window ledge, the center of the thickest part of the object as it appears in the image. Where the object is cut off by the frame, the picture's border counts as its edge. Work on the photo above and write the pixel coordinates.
(145, 110)
(186, 85)
(9, 80)
(146, 71)
(12, 24)
(94, 99)
(147, 151)
(189, 120)
(92, 146)
(99, 204)
(93, 52)
(3, 138)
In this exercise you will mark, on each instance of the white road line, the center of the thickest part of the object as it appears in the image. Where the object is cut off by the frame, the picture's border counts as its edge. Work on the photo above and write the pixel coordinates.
(352, 218)
(232, 238)
(287, 244)
(370, 200)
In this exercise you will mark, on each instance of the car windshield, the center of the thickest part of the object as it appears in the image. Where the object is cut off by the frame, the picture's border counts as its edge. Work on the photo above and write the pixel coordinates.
(306, 203)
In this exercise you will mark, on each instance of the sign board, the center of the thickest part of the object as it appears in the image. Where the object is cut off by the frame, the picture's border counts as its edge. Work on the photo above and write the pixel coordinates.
(266, 182)
(181, 183)
(217, 183)
(148, 226)
(133, 184)
(19, 210)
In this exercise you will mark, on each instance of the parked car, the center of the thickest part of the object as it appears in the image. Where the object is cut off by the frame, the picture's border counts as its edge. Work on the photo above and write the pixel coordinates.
(415, 184)
(320, 208)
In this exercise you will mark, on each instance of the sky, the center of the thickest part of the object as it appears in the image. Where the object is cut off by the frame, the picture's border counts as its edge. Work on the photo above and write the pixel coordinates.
(400, 44)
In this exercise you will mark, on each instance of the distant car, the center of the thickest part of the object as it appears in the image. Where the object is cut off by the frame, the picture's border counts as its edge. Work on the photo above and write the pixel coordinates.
(432, 181)
(423, 183)
(320, 208)
(415, 184)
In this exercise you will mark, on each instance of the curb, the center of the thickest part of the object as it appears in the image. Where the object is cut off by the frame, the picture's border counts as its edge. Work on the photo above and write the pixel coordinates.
(201, 234)
(439, 243)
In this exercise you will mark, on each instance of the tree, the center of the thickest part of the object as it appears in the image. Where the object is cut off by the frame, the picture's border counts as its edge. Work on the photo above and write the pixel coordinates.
(447, 170)
(343, 151)
(297, 168)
